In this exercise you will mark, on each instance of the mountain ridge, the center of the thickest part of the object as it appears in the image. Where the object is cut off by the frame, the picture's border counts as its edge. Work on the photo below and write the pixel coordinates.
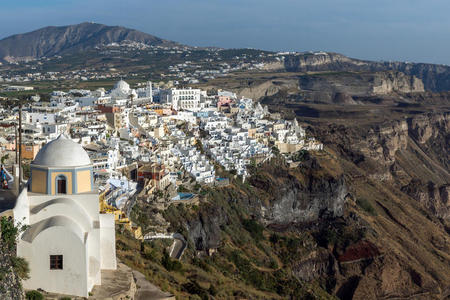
(73, 39)
(58, 40)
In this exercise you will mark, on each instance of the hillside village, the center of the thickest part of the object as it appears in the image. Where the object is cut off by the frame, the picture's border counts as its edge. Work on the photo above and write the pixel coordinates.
(145, 144)
(150, 136)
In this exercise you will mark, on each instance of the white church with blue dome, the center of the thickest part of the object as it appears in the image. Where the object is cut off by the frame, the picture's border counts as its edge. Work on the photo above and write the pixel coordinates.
(68, 242)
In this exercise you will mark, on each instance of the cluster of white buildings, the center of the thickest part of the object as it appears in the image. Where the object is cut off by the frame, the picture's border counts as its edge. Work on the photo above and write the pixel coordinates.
(194, 162)
(231, 146)
(124, 126)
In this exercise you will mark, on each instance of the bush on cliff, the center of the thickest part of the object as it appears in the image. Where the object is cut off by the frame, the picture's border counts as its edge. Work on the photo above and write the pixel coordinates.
(34, 295)
(365, 204)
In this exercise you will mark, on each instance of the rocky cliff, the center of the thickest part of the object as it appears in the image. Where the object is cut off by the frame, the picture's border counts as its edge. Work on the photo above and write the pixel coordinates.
(298, 196)
(411, 153)
(279, 196)
(434, 77)
(342, 88)
(389, 82)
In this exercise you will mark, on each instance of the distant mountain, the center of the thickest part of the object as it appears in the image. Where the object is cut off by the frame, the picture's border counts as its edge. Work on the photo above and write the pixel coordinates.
(52, 40)
(66, 40)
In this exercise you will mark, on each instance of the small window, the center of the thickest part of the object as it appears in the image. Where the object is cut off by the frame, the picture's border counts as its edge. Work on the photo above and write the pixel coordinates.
(56, 262)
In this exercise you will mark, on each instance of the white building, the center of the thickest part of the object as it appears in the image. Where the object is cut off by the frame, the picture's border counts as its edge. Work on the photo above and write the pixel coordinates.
(39, 117)
(187, 99)
(122, 91)
(68, 242)
(146, 92)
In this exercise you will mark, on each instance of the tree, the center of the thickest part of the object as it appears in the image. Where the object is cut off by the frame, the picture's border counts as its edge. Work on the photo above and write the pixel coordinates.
(9, 234)
(4, 157)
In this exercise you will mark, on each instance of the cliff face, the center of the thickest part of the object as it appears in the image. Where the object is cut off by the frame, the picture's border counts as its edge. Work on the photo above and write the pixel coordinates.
(300, 195)
(279, 197)
(205, 228)
(433, 196)
(320, 197)
(396, 82)
(411, 153)
(323, 62)
(332, 87)
(434, 77)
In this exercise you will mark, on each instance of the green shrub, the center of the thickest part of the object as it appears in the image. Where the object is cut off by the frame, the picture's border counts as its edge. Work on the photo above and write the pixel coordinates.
(65, 298)
(182, 189)
(366, 206)
(34, 295)
(4, 157)
(20, 266)
(150, 254)
(254, 228)
(9, 232)
(170, 264)
(193, 288)
(212, 290)
(301, 155)
(3, 272)
(273, 264)
(274, 238)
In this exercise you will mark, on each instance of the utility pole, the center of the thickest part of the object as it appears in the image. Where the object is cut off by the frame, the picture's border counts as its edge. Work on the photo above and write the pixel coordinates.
(15, 139)
(20, 145)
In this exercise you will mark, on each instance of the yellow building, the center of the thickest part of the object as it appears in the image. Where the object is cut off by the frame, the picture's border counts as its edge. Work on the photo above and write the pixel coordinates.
(30, 151)
(119, 217)
(52, 175)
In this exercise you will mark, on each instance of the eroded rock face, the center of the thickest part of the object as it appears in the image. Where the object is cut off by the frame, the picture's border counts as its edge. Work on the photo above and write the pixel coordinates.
(317, 263)
(321, 62)
(387, 277)
(424, 127)
(267, 88)
(384, 141)
(434, 77)
(279, 200)
(434, 197)
(296, 203)
(411, 153)
(389, 82)
(332, 87)
(204, 230)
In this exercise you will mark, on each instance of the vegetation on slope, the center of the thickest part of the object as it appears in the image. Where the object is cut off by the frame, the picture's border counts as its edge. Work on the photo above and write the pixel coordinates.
(231, 253)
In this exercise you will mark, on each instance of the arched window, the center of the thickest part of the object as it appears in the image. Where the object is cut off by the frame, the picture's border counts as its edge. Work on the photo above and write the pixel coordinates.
(61, 184)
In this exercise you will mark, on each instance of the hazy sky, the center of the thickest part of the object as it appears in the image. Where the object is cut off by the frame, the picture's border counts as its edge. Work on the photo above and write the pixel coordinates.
(406, 30)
